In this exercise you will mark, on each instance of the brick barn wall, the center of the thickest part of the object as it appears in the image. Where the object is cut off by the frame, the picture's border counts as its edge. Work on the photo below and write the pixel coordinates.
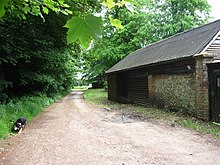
(176, 92)
(187, 92)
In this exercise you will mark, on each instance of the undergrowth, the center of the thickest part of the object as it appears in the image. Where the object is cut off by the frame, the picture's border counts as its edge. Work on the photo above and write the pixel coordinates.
(27, 106)
(99, 97)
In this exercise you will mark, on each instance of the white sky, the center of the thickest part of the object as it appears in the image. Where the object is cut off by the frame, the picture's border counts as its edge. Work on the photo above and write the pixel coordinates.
(215, 10)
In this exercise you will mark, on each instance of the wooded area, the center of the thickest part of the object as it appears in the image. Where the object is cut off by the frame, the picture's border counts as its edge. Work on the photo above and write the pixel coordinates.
(43, 44)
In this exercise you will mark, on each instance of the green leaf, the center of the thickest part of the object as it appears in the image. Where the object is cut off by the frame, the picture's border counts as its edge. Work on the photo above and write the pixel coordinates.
(109, 3)
(3, 3)
(84, 29)
(26, 9)
(132, 2)
(69, 11)
(116, 23)
(65, 5)
(61, 1)
(45, 10)
(121, 3)
(36, 10)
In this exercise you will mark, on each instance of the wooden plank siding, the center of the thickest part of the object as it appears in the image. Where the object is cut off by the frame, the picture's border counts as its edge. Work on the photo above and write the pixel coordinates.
(132, 86)
(138, 90)
(112, 87)
(215, 46)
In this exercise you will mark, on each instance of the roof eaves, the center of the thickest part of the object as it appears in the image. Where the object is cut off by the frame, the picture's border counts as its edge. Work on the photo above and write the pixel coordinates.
(150, 64)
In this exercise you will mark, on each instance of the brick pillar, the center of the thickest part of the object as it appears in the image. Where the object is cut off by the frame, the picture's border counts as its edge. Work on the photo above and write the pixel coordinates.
(202, 85)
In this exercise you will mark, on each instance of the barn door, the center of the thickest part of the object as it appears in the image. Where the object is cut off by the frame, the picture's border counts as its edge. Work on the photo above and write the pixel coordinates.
(122, 88)
(216, 96)
(138, 90)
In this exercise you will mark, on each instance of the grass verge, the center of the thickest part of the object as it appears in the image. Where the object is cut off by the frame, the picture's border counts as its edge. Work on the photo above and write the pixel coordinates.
(80, 87)
(99, 97)
(27, 106)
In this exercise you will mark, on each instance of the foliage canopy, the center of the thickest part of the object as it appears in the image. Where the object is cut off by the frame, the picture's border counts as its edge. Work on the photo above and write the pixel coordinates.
(83, 25)
(155, 21)
(34, 56)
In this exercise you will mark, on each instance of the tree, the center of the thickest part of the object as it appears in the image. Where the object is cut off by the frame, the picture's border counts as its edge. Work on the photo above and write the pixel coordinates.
(35, 57)
(83, 26)
(175, 16)
(155, 20)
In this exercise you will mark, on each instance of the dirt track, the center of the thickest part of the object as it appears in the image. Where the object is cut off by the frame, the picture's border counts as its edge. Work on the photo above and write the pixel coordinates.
(72, 132)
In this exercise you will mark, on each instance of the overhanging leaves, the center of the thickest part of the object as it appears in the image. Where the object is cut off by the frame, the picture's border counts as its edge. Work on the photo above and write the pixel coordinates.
(84, 29)
(116, 23)
(3, 3)
(109, 3)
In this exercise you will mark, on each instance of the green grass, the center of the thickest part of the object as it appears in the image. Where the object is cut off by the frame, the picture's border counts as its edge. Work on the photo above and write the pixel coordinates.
(81, 87)
(99, 97)
(27, 106)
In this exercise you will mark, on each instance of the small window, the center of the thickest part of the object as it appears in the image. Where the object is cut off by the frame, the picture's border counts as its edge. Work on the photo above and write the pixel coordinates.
(218, 82)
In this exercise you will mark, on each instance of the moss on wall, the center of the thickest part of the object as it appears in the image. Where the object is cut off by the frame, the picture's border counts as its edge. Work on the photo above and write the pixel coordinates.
(176, 92)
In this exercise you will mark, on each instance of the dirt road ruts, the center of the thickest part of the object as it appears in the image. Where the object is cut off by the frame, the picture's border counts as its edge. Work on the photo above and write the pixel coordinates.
(72, 132)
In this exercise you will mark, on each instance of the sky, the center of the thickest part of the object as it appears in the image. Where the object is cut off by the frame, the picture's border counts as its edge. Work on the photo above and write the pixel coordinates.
(215, 10)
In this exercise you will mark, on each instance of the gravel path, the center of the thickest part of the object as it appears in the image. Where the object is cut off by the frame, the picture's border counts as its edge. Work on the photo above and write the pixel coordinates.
(72, 132)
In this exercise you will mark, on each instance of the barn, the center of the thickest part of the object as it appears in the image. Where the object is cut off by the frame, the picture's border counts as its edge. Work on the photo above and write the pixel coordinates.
(181, 73)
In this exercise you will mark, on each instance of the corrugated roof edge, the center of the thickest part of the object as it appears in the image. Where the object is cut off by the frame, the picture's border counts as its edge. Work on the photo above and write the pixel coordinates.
(181, 33)
(139, 50)
(152, 64)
